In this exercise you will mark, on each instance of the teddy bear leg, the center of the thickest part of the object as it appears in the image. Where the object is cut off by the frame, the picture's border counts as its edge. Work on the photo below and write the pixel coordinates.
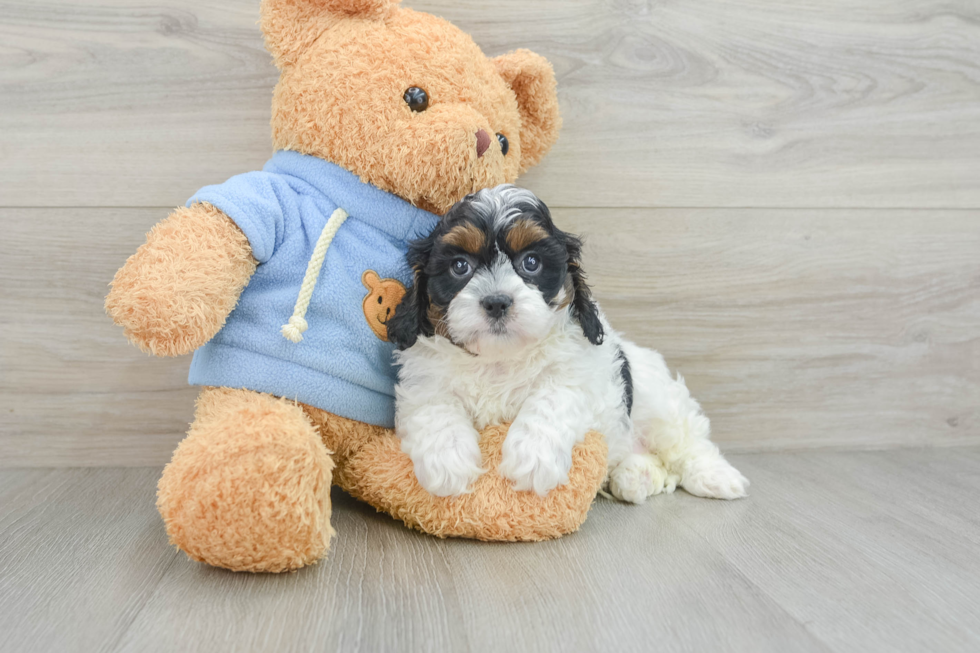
(248, 489)
(343, 438)
(372, 467)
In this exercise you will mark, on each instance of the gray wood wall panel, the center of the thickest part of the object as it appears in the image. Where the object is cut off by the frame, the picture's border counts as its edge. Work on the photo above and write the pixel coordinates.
(795, 328)
(811, 323)
(695, 103)
(817, 328)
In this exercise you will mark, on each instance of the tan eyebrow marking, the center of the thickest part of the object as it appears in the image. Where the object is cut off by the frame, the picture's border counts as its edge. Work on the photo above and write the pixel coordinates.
(523, 234)
(466, 236)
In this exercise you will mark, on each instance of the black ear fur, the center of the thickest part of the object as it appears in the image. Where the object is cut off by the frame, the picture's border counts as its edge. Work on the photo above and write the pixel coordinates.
(584, 310)
(411, 318)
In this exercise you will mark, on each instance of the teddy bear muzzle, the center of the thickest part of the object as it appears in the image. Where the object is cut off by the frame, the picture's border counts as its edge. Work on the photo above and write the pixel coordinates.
(442, 154)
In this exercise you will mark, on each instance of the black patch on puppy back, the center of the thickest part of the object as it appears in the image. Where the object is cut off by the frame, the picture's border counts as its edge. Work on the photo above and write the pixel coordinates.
(627, 375)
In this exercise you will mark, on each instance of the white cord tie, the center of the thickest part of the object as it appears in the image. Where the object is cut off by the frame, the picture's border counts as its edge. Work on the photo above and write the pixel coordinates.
(297, 325)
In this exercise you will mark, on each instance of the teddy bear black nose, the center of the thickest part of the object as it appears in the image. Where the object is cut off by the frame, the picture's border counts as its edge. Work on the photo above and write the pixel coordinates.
(482, 142)
(496, 305)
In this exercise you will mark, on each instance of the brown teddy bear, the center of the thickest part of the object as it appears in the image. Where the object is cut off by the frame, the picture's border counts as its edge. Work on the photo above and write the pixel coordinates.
(281, 282)
(380, 303)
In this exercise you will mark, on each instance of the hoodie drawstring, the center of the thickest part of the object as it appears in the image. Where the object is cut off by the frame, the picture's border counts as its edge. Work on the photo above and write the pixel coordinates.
(293, 330)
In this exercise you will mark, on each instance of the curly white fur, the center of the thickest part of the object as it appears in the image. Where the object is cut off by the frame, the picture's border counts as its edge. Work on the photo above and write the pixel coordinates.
(540, 372)
(554, 391)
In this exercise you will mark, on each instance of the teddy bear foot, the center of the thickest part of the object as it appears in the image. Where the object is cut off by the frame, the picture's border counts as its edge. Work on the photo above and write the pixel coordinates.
(372, 467)
(248, 489)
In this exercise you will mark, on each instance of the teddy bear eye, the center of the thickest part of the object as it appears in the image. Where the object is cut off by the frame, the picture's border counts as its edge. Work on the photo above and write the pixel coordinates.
(504, 145)
(416, 99)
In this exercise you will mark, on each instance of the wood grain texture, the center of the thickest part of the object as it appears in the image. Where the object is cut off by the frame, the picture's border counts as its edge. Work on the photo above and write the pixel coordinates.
(795, 329)
(909, 576)
(803, 328)
(73, 391)
(798, 328)
(702, 103)
(831, 552)
(81, 551)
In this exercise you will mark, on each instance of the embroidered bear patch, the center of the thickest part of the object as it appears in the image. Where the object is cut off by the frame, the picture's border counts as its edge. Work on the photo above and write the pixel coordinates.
(381, 301)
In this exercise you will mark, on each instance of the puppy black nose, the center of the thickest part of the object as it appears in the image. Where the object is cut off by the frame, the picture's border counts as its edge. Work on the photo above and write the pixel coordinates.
(496, 305)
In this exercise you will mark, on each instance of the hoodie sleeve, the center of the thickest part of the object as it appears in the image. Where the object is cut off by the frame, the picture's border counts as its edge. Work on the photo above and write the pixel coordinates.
(258, 203)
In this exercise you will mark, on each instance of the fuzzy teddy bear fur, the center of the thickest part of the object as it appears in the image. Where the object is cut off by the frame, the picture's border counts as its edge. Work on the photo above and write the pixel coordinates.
(248, 488)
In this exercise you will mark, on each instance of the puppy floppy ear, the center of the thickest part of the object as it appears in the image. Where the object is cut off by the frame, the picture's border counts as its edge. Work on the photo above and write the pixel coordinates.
(291, 26)
(411, 318)
(583, 309)
(532, 79)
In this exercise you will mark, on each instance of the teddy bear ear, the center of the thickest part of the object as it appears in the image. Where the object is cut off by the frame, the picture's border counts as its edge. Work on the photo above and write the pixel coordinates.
(291, 26)
(532, 79)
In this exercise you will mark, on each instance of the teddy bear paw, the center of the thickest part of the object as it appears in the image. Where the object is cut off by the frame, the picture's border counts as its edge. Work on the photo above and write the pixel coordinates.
(249, 487)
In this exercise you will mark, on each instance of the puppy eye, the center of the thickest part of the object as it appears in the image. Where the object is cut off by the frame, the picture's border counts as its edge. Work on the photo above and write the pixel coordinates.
(531, 264)
(504, 144)
(416, 99)
(461, 267)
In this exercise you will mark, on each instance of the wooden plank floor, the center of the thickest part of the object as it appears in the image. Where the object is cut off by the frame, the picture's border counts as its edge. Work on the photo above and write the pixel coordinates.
(833, 551)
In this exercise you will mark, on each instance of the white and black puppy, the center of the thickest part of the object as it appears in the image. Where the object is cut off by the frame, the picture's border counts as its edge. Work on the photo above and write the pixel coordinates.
(499, 326)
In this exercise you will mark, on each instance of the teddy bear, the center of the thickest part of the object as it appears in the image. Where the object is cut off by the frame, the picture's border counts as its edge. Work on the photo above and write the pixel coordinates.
(380, 303)
(281, 282)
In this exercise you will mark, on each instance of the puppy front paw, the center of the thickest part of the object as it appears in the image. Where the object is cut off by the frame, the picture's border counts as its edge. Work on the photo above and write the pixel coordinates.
(533, 458)
(449, 470)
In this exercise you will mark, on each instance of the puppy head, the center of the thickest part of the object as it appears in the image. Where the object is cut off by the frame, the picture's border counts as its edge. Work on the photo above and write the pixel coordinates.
(495, 275)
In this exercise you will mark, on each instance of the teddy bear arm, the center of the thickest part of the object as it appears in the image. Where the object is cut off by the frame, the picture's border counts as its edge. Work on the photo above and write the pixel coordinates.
(175, 292)
(371, 466)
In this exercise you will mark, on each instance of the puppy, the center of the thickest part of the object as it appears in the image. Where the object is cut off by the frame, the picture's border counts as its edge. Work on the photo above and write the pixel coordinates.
(499, 326)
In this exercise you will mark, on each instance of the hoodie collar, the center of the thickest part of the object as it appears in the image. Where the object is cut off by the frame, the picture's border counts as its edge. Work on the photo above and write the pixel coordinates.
(362, 201)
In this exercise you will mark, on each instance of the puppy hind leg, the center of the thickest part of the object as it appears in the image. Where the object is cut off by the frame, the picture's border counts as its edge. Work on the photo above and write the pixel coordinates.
(707, 474)
(688, 453)
(640, 475)
(673, 427)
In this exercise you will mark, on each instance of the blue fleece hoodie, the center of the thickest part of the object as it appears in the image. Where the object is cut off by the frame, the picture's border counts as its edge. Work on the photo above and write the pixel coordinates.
(340, 365)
